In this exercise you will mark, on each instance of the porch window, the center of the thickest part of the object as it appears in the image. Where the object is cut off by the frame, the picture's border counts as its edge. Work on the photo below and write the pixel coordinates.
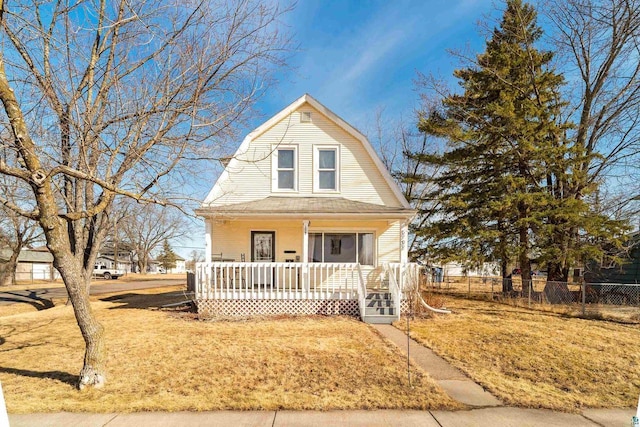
(341, 247)
(326, 168)
(284, 169)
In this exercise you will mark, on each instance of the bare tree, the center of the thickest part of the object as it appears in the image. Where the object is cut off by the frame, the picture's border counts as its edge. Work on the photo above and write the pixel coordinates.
(195, 257)
(146, 227)
(16, 231)
(598, 44)
(107, 98)
(402, 151)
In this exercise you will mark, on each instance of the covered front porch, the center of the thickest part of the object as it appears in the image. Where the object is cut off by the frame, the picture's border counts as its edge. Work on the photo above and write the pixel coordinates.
(302, 256)
(230, 289)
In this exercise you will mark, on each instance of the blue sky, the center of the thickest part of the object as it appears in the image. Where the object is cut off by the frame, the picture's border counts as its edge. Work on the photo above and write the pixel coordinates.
(360, 57)
(357, 57)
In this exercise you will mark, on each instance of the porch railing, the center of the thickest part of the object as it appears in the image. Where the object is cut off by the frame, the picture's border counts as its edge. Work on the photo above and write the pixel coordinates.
(272, 280)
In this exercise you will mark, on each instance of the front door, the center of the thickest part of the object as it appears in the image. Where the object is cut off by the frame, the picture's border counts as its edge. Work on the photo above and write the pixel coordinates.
(263, 249)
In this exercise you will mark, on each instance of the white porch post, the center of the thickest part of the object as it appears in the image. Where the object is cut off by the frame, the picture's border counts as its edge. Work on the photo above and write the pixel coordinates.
(305, 241)
(207, 240)
(404, 253)
(305, 254)
(404, 242)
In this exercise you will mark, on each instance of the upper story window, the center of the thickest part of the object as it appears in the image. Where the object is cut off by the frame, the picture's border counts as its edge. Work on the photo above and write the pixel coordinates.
(326, 168)
(284, 165)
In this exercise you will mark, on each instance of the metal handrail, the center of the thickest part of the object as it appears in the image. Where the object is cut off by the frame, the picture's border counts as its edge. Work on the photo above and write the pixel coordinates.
(394, 289)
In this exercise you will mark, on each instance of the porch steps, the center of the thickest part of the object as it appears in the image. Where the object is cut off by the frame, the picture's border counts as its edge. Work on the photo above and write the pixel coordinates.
(380, 308)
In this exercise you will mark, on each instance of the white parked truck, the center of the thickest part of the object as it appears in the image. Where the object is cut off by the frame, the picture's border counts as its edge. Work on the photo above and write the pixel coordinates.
(107, 273)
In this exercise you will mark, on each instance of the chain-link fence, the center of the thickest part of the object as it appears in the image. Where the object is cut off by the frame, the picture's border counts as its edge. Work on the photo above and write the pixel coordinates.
(613, 300)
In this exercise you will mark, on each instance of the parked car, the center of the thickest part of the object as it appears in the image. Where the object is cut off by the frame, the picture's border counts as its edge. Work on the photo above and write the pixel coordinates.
(518, 272)
(106, 273)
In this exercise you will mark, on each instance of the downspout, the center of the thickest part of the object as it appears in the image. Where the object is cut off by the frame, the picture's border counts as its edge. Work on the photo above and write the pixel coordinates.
(207, 240)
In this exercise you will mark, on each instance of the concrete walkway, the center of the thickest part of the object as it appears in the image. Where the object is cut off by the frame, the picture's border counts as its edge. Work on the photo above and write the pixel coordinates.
(456, 384)
(493, 417)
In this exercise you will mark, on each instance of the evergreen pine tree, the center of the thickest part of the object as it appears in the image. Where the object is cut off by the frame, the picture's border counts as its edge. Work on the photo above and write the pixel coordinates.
(168, 257)
(507, 176)
(504, 135)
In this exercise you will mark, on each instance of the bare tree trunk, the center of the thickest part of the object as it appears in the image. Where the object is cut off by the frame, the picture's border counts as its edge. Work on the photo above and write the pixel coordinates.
(8, 271)
(76, 281)
(507, 285)
(93, 370)
(144, 263)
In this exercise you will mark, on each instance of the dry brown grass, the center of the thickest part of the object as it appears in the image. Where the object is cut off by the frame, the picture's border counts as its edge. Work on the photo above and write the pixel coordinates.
(20, 308)
(165, 361)
(536, 359)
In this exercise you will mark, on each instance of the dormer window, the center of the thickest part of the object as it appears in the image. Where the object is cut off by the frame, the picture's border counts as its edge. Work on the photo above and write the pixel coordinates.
(326, 168)
(284, 165)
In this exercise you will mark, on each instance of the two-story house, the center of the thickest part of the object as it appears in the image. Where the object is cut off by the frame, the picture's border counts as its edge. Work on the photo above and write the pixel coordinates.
(305, 218)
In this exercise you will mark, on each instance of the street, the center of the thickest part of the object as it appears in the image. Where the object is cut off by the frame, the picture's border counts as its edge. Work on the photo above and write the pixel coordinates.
(42, 296)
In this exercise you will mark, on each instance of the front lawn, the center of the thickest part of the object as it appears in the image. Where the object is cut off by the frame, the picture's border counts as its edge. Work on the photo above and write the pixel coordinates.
(162, 361)
(538, 359)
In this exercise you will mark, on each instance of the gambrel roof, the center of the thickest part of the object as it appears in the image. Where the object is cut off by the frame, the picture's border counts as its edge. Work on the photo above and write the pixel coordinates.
(211, 201)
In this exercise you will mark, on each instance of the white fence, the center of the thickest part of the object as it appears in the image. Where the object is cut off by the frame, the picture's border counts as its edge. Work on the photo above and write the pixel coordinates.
(275, 280)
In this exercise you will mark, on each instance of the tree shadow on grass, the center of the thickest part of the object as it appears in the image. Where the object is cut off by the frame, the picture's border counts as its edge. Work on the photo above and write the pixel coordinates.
(32, 299)
(148, 301)
(63, 377)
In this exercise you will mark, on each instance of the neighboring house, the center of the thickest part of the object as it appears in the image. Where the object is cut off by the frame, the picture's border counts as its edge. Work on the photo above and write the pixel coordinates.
(153, 266)
(108, 260)
(487, 269)
(607, 271)
(33, 264)
(304, 219)
(181, 266)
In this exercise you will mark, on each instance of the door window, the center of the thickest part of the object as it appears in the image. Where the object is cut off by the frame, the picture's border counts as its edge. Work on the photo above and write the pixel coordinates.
(263, 246)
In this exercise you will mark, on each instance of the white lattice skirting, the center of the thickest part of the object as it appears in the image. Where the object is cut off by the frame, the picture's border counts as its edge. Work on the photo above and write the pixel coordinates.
(246, 308)
(404, 306)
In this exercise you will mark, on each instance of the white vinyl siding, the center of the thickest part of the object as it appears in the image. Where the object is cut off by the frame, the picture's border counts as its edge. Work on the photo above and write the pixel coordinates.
(389, 244)
(252, 176)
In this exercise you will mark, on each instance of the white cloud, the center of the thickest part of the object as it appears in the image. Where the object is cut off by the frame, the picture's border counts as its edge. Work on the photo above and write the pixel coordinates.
(368, 60)
(378, 46)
